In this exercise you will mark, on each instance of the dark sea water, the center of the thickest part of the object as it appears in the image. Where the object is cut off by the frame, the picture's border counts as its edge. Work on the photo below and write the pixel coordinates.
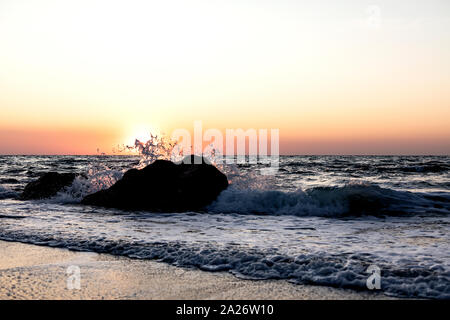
(319, 220)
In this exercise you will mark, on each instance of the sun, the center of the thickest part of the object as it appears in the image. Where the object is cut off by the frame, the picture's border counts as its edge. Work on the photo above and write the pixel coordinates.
(141, 132)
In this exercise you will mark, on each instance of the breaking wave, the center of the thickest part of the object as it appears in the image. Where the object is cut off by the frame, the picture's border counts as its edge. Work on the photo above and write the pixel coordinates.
(354, 199)
(6, 193)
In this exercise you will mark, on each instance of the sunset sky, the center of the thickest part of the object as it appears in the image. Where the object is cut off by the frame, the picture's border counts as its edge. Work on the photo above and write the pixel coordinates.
(335, 77)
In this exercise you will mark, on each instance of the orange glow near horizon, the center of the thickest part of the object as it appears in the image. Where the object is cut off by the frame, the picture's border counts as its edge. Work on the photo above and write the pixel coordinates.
(77, 76)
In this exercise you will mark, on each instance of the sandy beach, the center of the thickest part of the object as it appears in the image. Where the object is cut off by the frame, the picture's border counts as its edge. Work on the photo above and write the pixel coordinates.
(36, 272)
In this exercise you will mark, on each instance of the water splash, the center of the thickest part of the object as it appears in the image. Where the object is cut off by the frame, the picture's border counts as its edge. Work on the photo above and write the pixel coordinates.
(156, 148)
(101, 175)
(162, 147)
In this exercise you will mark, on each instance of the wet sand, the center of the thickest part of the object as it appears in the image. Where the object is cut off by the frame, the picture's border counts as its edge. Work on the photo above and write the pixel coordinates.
(36, 272)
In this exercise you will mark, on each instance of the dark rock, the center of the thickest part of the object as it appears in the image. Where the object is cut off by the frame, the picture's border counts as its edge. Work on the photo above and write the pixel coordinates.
(164, 186)
(47, 186)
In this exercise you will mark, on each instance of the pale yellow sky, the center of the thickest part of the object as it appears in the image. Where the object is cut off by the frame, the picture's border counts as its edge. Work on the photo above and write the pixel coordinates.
(343, 77)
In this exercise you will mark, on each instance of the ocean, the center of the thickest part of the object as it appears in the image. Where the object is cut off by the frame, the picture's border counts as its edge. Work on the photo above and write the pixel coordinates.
(320, 220)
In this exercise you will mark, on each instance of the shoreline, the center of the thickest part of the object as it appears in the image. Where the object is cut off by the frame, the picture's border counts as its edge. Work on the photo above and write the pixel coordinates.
(35, 272)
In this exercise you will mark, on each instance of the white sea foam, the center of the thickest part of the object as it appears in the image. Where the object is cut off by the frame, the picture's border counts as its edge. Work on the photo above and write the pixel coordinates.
(96, 180)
